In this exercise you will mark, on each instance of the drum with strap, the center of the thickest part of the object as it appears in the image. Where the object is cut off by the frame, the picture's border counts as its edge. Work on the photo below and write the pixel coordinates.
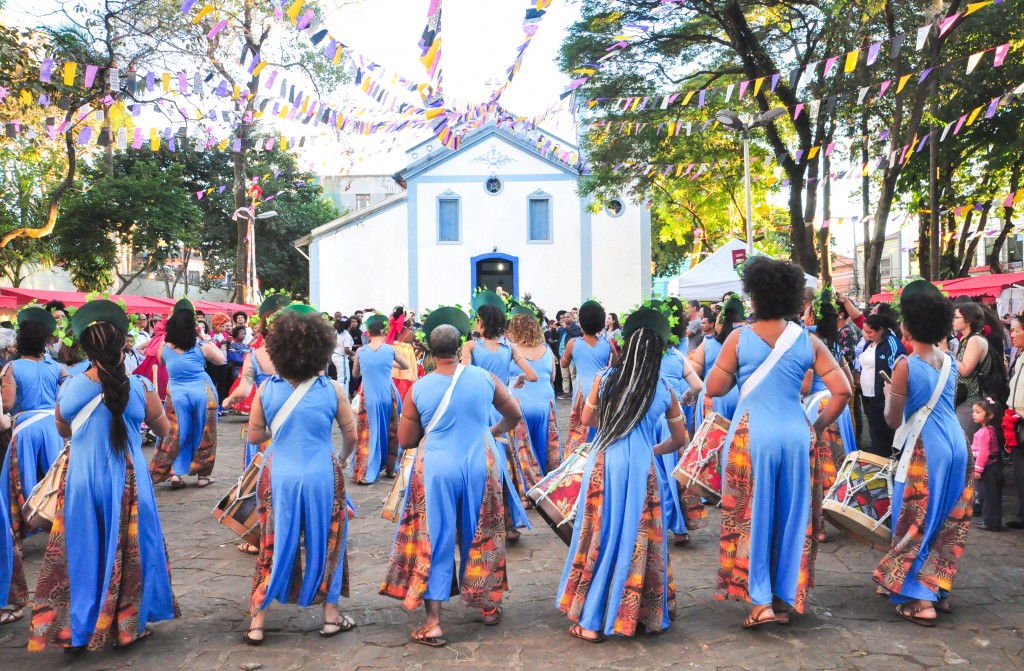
(859, 502)
(555, 497)
(396, 496)
(238, 509)
(700, 466)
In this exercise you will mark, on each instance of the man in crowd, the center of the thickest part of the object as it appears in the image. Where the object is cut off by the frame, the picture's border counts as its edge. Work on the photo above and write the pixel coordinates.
(242, 319)
(568, 330)
(694, 333)
(707, 321)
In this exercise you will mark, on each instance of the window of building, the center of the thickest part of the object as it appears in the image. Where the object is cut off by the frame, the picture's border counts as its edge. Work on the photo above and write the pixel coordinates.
(449, 225)
(362, 200)
(1014, 249)
(885, 268)
(493, 186)
(615, 207)
(193, 277)
(539, 226)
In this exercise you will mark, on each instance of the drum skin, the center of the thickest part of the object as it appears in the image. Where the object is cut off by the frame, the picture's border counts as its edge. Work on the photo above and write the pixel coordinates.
(859, 502)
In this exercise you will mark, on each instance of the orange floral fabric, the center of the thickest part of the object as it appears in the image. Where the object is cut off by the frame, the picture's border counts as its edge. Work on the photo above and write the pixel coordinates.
(578, 431)
(528, 466)
(361, 461)
(830, 451)
(940, 568)
(161, 467)
(484, 578)
(17, 494)
(554, 455)
(643, 600)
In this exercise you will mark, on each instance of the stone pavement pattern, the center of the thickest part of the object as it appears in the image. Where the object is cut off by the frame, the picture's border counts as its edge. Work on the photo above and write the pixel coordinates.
(846, 627)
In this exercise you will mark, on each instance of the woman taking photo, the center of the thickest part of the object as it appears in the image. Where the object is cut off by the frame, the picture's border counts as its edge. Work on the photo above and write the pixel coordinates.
(876, 362)
(934, 491)
(105, 573)
(769, 536)
(191, 446)
(454, 497)
(301, 488)
(29, 394)
(979, 374)
(379, 407)
(617, 576)
(590, 354)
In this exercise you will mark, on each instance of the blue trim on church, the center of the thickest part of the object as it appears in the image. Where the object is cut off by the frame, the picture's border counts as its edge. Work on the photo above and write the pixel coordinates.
(495, 256)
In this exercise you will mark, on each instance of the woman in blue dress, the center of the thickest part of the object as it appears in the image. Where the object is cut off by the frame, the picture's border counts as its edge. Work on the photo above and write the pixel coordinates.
(30, 393)
(536, 399)
(495, 354)
(454, 499)
(589, 353)
(301, 488)
(933, 494)
(769, 535)
(704, 357)
(105, 573)
(379, 404)
(618, 575)
(191, 446)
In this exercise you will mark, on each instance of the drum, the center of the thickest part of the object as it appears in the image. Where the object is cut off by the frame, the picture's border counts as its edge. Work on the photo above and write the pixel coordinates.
(41, 506)
(555, 496)
(393, 501)
(700, 467)
(858, 503)
(238, 509)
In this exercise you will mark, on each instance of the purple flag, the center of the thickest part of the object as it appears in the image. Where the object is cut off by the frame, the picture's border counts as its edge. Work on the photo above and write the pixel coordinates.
(45, 69)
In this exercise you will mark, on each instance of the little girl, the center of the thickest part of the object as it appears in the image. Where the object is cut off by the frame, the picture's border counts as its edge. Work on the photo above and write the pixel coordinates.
(988, 466)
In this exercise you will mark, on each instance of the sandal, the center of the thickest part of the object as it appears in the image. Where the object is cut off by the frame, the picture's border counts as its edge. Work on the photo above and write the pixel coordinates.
(512, 536)
(942, 606)
(754, 618)
(208, 481)
(681, 539)
(146, 633)
(253, 641)
(177, 483)
(782, 611)
(420, 636)
(344, 624)
(910, 614)
(249, 548)
(577, 632)
(11, 616)
(492, 617)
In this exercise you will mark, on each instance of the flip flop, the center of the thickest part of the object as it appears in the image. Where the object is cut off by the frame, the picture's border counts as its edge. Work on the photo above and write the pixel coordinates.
(754, 618)
(209, 481)
(146, 633)
(418, 636)
(249, 548)
(177, 484)
(11, 616)
(252, 641)
(344, 624)
(576, 631)
(495, 616)
(910, 615)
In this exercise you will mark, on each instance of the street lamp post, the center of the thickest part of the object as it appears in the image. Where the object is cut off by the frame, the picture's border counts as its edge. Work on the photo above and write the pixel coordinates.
(249, 281)
(732, 121)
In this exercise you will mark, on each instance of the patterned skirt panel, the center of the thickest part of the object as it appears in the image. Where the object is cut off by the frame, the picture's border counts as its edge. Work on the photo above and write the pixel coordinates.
(161, 467)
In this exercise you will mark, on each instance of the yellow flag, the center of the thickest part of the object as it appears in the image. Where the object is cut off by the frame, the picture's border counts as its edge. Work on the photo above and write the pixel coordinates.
(636, 102)
(26, 98)
(69, 73)
(903, 82)
(851, 60)
(975, 6)
(223, 144)
(284, 143)
(207, 8)
(757, 85)
(812, 152)
(259, 68)
(686, 100)
(974, 115)
(293, 11)
(165, 81)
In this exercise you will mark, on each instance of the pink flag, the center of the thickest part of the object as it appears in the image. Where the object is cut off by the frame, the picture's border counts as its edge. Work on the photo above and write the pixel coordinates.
(90, 75)
(1001, 51)
(743, 88)
(947, 23)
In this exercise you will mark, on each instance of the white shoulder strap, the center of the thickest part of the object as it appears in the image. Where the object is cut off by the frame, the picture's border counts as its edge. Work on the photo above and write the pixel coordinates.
(445, 400)
(83, 415)
(290, 403)
(908, 433)
(782, 345)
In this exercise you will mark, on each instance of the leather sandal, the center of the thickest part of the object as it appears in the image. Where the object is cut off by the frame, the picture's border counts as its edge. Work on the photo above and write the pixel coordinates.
(492, 617)
(253, 641)
(911, 614)
(420, 636)
(346, 623)
(11, 616)
(754, 617)
(576, 631)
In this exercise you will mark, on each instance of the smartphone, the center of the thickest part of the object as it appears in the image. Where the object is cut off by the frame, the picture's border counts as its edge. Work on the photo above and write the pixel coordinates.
(885, 376)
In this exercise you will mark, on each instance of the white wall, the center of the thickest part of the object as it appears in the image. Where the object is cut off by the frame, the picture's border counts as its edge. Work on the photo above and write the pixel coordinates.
(362, 265)
(618, 261)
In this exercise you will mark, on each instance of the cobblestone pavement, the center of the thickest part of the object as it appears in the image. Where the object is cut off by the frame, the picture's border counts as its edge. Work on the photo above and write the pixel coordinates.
(847, 626)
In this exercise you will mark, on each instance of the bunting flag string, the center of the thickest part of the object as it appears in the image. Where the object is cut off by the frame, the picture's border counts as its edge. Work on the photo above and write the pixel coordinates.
(535, 11)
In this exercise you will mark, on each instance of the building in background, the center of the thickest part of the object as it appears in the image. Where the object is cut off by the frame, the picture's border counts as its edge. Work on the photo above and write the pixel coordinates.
(351, 193)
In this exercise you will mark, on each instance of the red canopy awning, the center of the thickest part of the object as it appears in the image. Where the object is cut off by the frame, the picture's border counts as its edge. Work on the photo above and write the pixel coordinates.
(144, 304)
(979, 286)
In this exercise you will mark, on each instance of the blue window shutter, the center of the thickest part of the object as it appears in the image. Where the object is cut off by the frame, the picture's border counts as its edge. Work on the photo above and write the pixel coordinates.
(448, 220)
(540, 219)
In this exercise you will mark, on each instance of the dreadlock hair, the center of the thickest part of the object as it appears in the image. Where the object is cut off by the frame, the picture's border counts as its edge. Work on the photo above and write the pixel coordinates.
(630, 387)
(493, 320)
(103, 343)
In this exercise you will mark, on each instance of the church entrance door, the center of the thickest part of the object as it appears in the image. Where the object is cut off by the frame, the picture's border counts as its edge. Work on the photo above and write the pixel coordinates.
(491, 270)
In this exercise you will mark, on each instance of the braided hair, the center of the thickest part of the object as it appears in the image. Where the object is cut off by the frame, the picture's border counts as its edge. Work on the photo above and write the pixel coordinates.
(630, 387)
(104, 345)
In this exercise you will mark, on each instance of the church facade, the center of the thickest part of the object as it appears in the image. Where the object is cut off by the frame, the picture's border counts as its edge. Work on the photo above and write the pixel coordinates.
(497, 211)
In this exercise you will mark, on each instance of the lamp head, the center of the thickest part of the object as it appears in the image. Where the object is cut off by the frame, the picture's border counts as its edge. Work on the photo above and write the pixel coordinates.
(769, 116)
(730, 120)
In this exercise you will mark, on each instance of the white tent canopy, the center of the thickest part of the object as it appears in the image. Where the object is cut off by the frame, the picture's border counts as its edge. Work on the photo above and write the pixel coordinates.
(715, 276)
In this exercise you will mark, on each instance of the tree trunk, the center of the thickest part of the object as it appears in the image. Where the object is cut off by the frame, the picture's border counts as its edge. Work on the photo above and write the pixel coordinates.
(933, 184)
(924, 246)
(971, 252)
(825, 232)
(865, 194)
(126, 282)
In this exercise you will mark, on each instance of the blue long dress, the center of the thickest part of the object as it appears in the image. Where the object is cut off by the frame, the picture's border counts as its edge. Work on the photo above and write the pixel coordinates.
(35, 445)
(92, 542)
(301, 495)
(768, 541)
(80, 367)
(537, 400)
(931, 511)
(588, 361)
(672, 372)
(618, 574)
(380, 397)
(453, 501)
(251, 449)
(723, 405)
(499, 362)
(190, 391)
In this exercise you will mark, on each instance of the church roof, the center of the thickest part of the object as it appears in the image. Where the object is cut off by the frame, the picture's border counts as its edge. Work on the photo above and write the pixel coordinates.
(351, 218)
(476, 137)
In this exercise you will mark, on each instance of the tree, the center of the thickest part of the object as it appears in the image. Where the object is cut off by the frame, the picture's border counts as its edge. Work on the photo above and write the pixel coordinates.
(142, 206)
(255, 30)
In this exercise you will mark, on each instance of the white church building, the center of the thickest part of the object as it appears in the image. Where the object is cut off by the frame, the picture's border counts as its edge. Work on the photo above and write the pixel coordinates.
(495, 211)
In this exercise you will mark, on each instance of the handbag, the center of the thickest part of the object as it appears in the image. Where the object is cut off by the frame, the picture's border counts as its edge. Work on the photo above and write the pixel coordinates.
(393, 501)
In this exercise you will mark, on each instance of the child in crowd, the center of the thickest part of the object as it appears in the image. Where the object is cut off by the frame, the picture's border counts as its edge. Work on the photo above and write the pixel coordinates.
(987, 467)
(237, 349)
